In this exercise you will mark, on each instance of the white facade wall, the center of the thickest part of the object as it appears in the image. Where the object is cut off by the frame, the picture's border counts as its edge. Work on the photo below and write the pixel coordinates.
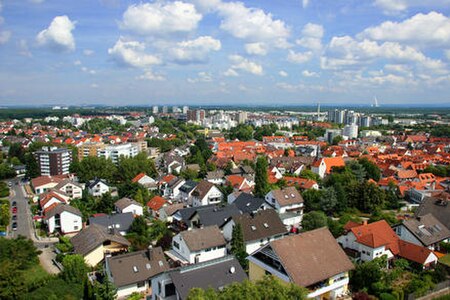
(196, 256)
(213, 193)
(133, 208)
(116, 151)
(99, 189)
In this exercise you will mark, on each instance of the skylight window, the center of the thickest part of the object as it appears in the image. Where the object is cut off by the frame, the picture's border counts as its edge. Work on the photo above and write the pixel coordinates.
(253, 228)
(135, 269)
(266, 225)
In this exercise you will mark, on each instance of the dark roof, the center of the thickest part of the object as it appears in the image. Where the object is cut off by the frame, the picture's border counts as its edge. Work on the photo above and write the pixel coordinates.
(439, 208)
(93, 236)
(60, 208)
(125, 202)
(188, 186)
(120, 222)
(214, 274)
(202, 189)
(427, 229)
(311, 257)
(247, 203)
(138, 266)
(263, 224)
(93, 183)
(218, 174)
(67, 181)
(216, 215)
(203, 238)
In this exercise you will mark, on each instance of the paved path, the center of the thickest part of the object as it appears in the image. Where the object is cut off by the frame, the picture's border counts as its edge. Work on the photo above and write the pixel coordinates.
(46, 260)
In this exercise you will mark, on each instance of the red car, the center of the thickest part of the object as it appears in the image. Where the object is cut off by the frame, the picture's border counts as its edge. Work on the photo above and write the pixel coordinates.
(14, 210)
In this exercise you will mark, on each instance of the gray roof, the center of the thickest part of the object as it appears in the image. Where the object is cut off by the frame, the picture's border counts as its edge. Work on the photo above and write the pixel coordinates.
(92, 183)
(215, 174)
(287, 196)
(120, 222)
(214, 274)
(125, 202)
(67, 181)
(427, 229)
(203, 238)
(216, 215)
(202, 189)
(264, 224)
(93, 236)
(439, 208)
(188, 186)
(57, 210)
(247, 203)
(138, 266)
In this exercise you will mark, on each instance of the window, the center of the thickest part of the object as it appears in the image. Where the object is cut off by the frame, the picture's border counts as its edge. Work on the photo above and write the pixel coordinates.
(176, 245)
(141, 284)
(75, 227)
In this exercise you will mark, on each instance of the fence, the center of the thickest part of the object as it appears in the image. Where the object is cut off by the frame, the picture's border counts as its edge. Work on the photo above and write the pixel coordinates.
(440, 289)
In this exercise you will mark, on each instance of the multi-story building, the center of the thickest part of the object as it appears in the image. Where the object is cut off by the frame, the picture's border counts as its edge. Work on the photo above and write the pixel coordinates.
(351, 131)
(165, 109)
(89, 149)
(114, 152)
(196, 115)
(140, 143)
(185, 109)
(53, 161)
(155, 109)
(242, 117)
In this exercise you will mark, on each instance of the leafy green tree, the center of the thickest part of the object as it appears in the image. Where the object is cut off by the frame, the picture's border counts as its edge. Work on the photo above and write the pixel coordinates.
(366, 274)
(372, 170)
(128, 168)
(308, 174)
(238, 246)
(328, 200)
(105, 290)
(358, 170)
(337, 140)
(75, 268)
(6, 171)
(96, 167)
(139, 226)
(313, 220)
(105, 204)
(16, 150)
(262, 186)
(312, 198)
(365, 196)
(32, 167)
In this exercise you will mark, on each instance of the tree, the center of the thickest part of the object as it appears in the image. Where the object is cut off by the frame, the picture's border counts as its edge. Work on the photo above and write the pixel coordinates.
(129, 167)
(16, 150)
(308, 174)
(366, 274)
(312, 198)
(337, 140)
(32, 167)
(358, 170)
(372, 170)
(261, 177)
(313, 220)
(6, 171)
(96, 167)
(139, 226)
(238, 246)
(75, 268)
(105, 290)
(328, 200)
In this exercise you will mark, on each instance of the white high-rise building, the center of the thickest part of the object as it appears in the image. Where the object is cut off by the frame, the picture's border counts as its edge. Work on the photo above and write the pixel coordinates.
(185, 109)
(114, 152)
(351, 131)
(155, 109)
(165, 109)
(242, 117)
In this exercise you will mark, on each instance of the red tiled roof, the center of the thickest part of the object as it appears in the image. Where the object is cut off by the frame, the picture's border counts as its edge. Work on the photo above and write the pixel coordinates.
(406, 174)
(138, 177)
(376, 235)
(413, 252)
(156, 203)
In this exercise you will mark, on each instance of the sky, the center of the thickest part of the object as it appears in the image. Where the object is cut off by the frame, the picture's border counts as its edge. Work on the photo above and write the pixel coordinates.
(220, 52)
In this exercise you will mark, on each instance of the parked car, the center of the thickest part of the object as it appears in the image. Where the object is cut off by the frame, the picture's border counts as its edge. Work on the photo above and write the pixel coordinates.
(10, 183)
(14, 217)
(14, 226)
(14, 204)
(14, 210)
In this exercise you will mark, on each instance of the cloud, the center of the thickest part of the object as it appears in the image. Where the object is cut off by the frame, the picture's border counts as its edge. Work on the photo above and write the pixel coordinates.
(77, 63)
(89, 71)
(23, 48)
(36, 1)
(131, 53)
(230, 73)
(194, 51)
(161, 18)
(307, 73)
(345, 51)
(94, 86)
(88, 52)
(256, 48)
(283, 73)
(424, 30)
(58, 36)
(149, 75)
(299, 57)
(311, 37)
(202, 77)
(305, 3)
(253, 24)
(4, 36)
(447, 54)
(243, 64)
(392, 7)
(206, 5)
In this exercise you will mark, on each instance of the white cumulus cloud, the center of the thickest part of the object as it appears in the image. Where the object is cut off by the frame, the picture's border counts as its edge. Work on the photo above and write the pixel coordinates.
(132, 54)
(243, 64)
(432, 29)
(58, 36)
(256, 48)
(283, 73)
(149, 75)
(253, 24)
(311, 37)
(194, 51)
(299, 57)
(307, 73)
(202, 77)
(161, 18)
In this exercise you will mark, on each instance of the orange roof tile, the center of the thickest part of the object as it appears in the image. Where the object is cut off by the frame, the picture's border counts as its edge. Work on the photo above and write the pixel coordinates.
(156, 203)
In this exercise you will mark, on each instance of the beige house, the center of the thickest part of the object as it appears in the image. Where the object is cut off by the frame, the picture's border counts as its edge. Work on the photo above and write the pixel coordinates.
(95, 241)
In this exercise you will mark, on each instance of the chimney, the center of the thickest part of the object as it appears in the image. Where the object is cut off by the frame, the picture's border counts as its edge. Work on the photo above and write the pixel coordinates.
(149, 250)
(364, 223)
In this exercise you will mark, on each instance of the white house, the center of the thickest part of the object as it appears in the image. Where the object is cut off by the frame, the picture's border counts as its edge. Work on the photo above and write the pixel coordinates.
(146, 181)
(114, 152)
(98, 187)
(198, 245)
(257, 230)
(50, 198)
(126, 205)
(206, 193)
(288, 203)
(63, 218)
(70, 188)
(324, 165)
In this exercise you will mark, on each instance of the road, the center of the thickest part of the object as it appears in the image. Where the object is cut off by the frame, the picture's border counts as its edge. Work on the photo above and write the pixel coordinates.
(24, 225)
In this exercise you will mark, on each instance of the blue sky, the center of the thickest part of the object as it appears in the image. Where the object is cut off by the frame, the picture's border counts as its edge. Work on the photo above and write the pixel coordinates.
(272, 52)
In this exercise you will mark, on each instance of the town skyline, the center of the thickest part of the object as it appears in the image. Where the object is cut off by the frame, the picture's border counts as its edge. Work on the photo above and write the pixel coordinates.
(224, 52)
